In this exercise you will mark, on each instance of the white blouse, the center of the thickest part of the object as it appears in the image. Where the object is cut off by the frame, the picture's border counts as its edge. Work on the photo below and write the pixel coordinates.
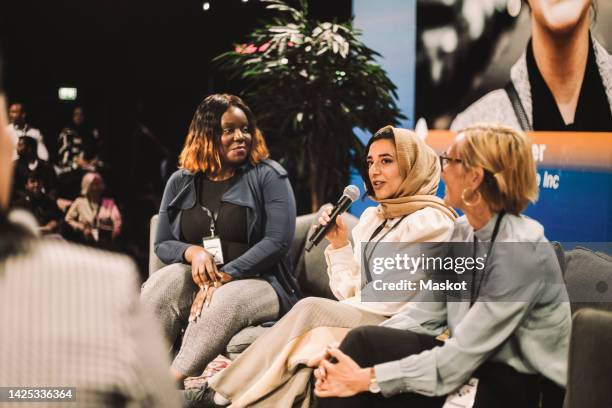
(344, 264)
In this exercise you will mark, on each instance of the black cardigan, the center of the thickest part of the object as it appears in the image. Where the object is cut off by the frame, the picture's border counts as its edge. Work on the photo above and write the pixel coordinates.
(266, 192)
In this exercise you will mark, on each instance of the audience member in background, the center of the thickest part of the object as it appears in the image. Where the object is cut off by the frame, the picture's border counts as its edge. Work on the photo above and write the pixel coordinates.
(512, 335)
(563, 81)
(44, 208)
(403, 175)
(93, 217)
(28, 162)
(78, 152)
(18, 127)
(70, 317)
(227, 188)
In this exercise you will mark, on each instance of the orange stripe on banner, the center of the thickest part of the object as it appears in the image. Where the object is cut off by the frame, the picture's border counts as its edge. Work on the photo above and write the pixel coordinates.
(586, 150)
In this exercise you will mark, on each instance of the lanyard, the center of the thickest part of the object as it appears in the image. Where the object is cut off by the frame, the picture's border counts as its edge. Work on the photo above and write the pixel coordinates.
(366, 258)
(213, 220)
(474, 296)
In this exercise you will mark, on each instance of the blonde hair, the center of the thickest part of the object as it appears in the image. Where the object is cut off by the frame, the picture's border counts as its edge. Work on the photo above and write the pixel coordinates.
(505, 154)
(87, 180)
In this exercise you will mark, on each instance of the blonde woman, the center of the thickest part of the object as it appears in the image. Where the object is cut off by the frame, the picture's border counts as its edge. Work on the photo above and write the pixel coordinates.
(512, 334)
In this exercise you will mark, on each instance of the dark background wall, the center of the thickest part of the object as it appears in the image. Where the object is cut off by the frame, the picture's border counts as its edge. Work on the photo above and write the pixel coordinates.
(131, 60)
(121, 53)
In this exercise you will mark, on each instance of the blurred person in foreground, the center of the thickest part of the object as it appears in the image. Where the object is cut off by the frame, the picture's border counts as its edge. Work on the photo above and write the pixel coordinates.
(18, 128)
(402, 175)
(94, 218)
(512, 334)
(70, 317)
(563, 81)
(226, 223)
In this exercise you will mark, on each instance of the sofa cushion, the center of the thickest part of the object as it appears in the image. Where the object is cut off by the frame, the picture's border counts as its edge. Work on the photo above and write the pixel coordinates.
(155, 263)
(244, 339)
(588, 277)
(590, 360)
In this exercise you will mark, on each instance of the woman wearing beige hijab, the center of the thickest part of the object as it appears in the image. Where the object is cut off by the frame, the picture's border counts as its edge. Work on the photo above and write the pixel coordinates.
(402, 175)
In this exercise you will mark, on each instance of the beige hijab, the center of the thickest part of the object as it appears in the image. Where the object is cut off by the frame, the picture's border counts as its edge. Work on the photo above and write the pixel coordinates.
(420, 169)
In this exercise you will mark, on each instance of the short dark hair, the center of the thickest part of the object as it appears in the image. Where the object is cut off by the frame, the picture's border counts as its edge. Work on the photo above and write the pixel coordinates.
(30, 143)
(33, 175)
(384, 133)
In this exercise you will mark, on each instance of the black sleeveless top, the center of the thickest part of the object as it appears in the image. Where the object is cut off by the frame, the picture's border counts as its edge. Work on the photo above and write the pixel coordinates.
(231, 219)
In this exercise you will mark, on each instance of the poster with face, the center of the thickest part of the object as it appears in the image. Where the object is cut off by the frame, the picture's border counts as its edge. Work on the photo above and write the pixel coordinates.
(467, 49)
(556, 55)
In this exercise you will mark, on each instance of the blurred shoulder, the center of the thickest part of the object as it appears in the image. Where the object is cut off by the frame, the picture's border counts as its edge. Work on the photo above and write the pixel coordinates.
(494, 107)
(74, 263)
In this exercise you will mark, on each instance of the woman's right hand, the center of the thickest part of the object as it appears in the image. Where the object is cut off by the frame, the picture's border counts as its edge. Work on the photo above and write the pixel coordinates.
(203, 266)
(338, 235)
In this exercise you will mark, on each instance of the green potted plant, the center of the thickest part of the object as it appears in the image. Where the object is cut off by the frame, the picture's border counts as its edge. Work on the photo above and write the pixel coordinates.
(311, 83)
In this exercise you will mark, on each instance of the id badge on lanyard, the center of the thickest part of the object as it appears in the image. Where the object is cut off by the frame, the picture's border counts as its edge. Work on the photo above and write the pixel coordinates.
(212, 243)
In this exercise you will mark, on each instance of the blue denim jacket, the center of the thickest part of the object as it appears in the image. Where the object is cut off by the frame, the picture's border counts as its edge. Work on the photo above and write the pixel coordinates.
(266, 192)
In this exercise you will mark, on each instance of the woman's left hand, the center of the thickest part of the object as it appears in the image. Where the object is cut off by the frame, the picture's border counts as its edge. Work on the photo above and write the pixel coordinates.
(343, 379)
(204, 295)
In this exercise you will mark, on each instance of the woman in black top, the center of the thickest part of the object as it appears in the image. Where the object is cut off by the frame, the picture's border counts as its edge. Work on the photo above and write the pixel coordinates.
(226, 223)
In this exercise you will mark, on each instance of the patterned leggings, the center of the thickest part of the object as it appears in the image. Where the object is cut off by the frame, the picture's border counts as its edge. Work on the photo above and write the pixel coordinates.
(170, 291)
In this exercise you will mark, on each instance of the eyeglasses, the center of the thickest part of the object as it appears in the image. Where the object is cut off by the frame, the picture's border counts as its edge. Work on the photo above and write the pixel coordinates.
(445, 160)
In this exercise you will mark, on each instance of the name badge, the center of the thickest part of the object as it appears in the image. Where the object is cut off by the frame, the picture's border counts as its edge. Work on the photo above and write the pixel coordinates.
(213, 246)
(464, 397)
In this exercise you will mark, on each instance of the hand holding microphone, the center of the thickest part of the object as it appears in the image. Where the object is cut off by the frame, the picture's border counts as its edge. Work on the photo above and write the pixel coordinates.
(337, 234)
(330, 224)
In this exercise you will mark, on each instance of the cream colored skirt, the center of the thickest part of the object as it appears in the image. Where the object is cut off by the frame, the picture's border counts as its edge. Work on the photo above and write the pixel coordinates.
(272, 371)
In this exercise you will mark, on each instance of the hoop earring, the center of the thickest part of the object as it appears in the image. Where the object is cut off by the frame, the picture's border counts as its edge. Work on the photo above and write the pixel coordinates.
(467, 204)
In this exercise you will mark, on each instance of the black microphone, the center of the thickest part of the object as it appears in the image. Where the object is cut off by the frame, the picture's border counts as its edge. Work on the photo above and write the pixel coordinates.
(350, 194)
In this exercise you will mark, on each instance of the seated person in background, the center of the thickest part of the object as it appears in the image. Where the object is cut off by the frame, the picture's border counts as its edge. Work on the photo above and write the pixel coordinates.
(94, 218)
(78, 144)
(44, 209)
(402, 174)
(29, 162)
(513, 335)
(226, 188)
(70, 317)
(78, 153)
(563, 81)
(19, 128)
